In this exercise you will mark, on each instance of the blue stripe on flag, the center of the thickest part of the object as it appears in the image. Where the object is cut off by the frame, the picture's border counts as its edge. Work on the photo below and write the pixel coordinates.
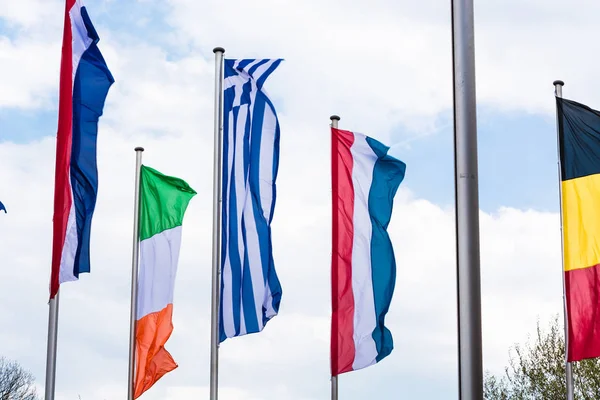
(2, 208)
(248, 304)
(242, 63)
(234, 238)
(388, 173)
(253, 300)
(91, 85)
(261, 81)
(262, 224)
(275, 161)
(228, 104)
(255, 66)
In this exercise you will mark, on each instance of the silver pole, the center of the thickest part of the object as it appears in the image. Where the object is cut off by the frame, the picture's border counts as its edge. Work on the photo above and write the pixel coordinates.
(334, 388)
(51, 349)
(334, 379)
(134, 273)
(216, 250)
(467, 203)
(568, 367)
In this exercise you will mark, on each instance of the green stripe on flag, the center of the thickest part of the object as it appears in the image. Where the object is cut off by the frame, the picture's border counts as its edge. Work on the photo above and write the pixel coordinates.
(164, 200)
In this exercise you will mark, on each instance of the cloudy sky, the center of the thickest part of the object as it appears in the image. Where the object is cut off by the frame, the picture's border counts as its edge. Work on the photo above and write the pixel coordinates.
(385, 67)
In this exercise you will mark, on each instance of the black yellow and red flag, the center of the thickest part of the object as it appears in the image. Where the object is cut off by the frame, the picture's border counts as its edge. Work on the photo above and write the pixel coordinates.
(579, 146)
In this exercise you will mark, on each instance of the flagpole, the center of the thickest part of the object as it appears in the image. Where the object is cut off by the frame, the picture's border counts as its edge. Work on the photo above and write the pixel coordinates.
(216, 241)
(558, 84)
(134, 274)
(467, 203)
(334, 379)
(49, 389)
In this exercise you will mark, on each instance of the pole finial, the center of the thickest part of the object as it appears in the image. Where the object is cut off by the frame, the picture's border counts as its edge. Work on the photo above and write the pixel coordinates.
(139, 148)
(334, 117)
(558, 82)
(218, 49)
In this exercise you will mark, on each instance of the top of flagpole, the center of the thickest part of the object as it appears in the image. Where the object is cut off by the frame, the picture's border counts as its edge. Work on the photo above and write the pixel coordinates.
(334, 117)
(218, 49)
(558, 82)
(139, 148)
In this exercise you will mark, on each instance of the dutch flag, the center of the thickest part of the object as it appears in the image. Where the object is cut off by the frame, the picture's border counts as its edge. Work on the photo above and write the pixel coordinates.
(364, 182)
(84, 84)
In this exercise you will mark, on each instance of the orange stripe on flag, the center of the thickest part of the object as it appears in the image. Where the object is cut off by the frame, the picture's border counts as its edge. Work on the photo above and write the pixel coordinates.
(152, 359)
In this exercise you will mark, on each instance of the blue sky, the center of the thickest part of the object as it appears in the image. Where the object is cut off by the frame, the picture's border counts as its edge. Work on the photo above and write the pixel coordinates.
(384, 67)
(517, 154)
(517, 162)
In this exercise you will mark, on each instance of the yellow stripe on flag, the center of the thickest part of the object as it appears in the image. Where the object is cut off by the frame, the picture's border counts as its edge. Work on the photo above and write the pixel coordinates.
(581, 221)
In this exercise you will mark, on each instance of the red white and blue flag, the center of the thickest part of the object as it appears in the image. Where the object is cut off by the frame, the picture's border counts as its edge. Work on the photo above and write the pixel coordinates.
(84, 84)
(364, 182)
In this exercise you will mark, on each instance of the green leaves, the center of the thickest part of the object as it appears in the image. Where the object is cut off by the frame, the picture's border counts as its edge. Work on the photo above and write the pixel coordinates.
(536, 370)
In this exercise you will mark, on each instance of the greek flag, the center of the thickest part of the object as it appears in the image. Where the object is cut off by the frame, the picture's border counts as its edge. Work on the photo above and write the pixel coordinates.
(250, 289)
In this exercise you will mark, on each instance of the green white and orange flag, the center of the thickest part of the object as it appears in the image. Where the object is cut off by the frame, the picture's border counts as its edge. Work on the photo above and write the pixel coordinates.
(163, 201)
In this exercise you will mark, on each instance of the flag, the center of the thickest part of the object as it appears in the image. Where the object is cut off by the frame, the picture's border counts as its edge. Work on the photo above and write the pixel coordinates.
(163, 201)
(84, 84)
(364, 182)
(579, 143)
(250, 289)
(2, 208)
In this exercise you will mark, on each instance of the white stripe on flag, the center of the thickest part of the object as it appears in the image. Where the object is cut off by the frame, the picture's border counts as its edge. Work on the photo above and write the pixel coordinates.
(80, 39)
(266, 161)
(362, 281)
(67, 260)
(158, 267)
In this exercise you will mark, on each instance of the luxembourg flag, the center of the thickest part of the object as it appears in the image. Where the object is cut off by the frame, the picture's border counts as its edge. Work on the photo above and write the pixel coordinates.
(84, 84)
(364, 181)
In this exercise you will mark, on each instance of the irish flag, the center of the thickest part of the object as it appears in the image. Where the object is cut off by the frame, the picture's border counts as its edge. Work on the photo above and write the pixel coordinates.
(364, 181)
(163, 201)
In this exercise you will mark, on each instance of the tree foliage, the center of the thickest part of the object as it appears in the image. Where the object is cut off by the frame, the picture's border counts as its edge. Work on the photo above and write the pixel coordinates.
(15, 382)
(536, 371)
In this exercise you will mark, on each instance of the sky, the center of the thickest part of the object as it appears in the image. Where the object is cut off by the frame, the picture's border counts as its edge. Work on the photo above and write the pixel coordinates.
(385, 68)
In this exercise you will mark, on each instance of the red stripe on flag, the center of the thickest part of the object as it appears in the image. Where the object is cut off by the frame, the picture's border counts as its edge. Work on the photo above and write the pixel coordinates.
(342, 298)
(62, 189)
(583, 311)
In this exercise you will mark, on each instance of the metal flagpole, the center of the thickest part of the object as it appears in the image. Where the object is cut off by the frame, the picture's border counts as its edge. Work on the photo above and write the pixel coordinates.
(51, 349)
(568, 367)
(467, 203)
(216, 249)
(334, 379)
(134, 273)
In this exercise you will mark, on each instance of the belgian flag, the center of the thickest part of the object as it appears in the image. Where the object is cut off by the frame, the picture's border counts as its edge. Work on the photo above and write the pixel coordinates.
(579, 143)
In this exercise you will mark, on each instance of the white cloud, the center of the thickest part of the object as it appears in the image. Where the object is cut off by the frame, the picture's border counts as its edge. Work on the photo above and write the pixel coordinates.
(30, 52)
(20, 60)
(31, 14)
(389, 63)
(378, 65)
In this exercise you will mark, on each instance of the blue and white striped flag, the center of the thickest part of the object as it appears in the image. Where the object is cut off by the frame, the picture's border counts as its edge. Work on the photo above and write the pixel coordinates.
(250, 289)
